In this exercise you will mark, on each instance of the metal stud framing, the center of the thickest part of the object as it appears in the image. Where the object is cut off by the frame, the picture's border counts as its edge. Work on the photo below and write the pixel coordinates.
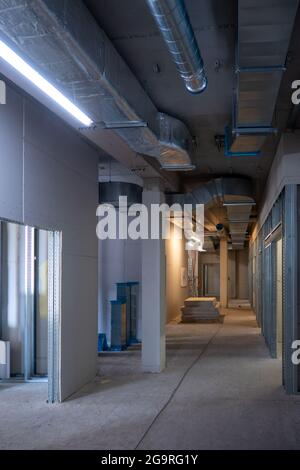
(54, 302)
(282, 221)
(29, 302)
(290, 285)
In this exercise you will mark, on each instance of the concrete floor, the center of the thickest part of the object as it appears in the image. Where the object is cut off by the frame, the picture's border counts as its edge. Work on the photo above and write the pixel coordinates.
(220, 390)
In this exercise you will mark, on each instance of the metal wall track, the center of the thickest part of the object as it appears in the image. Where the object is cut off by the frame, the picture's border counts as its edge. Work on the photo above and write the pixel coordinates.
(54, 303)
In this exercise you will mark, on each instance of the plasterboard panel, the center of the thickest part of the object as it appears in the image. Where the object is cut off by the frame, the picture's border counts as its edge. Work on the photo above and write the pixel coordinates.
(79, 322)
(66, 201)
(52, 136)
(11, 157)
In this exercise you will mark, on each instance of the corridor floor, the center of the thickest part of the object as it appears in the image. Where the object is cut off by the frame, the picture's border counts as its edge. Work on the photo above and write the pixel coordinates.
(220, 390)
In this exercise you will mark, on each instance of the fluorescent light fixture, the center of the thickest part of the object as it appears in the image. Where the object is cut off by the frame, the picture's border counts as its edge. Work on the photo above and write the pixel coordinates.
(40, 82)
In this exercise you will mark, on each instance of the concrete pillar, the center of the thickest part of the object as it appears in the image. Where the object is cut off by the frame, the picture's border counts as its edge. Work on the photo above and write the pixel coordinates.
(223, 273)
(153, 290)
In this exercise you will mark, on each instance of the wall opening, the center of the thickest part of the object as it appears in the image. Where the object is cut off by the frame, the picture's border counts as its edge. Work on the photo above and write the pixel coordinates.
(28, 272)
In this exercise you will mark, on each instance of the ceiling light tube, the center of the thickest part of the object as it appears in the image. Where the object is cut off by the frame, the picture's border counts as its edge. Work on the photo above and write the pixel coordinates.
(7, 54)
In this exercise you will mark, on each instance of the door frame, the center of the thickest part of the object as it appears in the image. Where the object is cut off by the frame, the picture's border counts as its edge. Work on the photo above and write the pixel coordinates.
(54, 316)
(204, 279)
(54, 307)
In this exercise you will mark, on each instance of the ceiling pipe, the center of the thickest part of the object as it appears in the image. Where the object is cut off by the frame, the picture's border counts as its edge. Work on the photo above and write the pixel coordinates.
(174, 24)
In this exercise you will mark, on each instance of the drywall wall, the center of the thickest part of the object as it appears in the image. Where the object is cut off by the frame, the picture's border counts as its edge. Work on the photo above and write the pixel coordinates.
(285, 170)
(48, 179)
(176, 258)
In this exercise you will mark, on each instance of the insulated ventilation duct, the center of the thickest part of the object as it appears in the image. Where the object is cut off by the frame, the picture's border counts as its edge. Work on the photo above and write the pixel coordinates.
(174, 24)
(234, 193)
(264, 32)
(63, 42)
(109, 193)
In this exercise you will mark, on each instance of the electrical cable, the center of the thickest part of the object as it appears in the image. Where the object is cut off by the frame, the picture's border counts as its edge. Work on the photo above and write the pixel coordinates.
(197, 359)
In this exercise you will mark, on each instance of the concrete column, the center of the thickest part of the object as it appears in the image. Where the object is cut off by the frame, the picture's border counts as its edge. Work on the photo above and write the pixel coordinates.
(153, 290)
(223, 273)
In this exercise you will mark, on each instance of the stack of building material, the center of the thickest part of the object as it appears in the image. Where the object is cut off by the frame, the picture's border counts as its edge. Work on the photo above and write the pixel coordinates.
(201, 310)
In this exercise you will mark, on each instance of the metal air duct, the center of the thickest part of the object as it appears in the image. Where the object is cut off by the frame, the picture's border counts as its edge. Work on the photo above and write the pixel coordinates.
(264, 33)
(63, 42)
(236, 196)
(174, 24)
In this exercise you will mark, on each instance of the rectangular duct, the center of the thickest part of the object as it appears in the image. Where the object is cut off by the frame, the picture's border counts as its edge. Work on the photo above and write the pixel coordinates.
(264, 33)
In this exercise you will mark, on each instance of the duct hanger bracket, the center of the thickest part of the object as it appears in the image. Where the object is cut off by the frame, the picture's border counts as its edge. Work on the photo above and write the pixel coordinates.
(116, 125)
(178, 167)
(266, 69)
(254, 130)
(229, 153)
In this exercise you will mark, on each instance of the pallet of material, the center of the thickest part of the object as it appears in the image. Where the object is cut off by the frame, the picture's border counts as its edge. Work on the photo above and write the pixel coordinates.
(201, 310)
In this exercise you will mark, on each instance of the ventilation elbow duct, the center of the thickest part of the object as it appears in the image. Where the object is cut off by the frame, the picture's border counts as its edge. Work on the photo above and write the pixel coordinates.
(235, 194)
(173, 22)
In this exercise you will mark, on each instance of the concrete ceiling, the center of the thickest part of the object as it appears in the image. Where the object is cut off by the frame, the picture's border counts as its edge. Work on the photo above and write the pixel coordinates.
(134, 34)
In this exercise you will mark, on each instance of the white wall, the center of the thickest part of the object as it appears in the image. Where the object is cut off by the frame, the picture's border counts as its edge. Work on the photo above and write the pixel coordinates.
(48, 179)
(176, 258)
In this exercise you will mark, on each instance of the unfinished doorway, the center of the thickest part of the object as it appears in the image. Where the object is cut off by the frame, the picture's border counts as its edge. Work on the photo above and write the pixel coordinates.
(29, 305)
(211, 280)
